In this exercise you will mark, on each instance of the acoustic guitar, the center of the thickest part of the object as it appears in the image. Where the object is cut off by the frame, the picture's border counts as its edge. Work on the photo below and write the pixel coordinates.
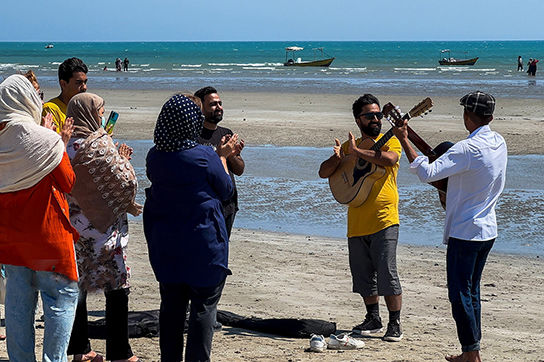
(395, 119)
(354, 177)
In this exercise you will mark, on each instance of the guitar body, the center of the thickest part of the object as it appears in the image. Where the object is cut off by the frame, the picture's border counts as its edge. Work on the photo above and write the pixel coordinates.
(353, 179)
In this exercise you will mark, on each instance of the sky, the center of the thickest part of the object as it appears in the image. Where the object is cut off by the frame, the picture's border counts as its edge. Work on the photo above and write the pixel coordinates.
(272, 20)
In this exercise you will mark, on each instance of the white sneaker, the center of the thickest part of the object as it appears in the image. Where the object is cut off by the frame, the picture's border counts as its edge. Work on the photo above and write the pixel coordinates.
(317, 343)
(344, 341)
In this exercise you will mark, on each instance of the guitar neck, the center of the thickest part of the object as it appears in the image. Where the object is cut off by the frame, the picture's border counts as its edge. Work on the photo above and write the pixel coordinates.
(387, 136)
(420, 143)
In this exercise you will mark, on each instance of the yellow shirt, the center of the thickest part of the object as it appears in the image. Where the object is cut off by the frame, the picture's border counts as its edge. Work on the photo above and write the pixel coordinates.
(58, 109)
(381, 208)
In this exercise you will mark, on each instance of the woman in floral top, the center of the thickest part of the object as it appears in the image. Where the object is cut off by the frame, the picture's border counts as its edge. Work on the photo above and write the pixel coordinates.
(101, 255)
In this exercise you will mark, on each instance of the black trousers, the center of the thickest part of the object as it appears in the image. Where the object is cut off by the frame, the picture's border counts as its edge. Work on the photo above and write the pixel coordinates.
(117, 345)
(174, 300)
(229, 221)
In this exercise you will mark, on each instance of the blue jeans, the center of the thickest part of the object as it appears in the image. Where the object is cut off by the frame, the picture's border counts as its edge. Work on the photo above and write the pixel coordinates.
(59, 298)
(465, 263)
(174, 301)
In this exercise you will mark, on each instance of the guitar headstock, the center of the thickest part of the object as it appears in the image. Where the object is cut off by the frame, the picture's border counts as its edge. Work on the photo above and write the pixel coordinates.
(421, 108)
(392, 111)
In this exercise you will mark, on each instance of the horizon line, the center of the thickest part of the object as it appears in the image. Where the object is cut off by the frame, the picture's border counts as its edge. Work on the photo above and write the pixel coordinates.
(251, 41)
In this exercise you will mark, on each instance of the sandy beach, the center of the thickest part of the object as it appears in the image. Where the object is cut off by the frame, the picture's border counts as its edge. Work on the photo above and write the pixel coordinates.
(297, 276)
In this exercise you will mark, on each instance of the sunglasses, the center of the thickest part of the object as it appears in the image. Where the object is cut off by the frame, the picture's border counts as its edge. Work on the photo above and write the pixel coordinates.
(370, 115)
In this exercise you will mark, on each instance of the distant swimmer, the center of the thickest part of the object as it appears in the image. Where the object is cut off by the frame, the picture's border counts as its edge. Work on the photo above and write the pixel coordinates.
(532, 67)
(125, 64)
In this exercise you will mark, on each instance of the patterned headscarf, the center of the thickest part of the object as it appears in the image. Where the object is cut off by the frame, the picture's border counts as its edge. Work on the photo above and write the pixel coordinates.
(83, 107)
(179, 125)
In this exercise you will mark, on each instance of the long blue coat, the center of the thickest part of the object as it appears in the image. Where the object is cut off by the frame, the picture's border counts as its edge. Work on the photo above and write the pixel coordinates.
(183, 219)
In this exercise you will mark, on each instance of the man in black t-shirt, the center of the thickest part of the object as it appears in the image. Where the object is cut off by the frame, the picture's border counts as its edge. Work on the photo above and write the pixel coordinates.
(211, 135)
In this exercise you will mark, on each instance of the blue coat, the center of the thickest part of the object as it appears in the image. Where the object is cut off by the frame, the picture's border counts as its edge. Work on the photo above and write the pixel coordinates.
(183, 219)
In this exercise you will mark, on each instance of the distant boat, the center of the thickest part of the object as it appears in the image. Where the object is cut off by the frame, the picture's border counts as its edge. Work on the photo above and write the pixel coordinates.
(49, 46)
(449, 60)
(290, 62)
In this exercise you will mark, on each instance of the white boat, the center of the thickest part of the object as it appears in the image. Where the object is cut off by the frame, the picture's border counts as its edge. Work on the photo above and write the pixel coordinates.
(49, 46)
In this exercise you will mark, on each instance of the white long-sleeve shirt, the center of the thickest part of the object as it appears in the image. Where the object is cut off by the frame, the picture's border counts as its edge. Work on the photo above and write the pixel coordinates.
(476, 171)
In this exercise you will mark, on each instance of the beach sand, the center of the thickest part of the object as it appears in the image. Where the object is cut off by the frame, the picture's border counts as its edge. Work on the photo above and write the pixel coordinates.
(296, 276)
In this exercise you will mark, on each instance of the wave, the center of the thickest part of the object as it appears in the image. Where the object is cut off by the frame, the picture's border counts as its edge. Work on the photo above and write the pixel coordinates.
(356, 69)
(465, 69)
(244, 64)
(259, 68)
(415, 69)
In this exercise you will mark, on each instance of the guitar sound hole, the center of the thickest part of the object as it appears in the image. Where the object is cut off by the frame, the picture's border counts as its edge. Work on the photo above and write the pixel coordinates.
(360, 170)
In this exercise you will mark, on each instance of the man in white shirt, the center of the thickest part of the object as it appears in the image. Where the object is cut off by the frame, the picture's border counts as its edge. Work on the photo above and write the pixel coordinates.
(476, 172)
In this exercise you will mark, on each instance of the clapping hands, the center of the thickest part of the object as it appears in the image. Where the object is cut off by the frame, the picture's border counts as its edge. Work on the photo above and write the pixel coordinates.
(230, 146)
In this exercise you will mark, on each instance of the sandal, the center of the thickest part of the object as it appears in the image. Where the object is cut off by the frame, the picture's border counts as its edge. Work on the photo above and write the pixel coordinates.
(88, 357)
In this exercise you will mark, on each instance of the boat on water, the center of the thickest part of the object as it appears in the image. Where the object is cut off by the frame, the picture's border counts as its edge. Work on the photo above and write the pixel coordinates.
(291, 61)
(49, 46)
(449, 60)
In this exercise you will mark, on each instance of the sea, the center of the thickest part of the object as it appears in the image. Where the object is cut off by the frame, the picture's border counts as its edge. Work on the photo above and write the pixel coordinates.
(378, 67)
(280, 190)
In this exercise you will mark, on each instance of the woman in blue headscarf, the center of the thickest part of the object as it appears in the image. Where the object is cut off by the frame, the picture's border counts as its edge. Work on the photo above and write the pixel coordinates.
(185, 229)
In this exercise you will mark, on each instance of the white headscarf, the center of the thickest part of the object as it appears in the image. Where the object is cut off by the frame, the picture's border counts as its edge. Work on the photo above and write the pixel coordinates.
(28, 151)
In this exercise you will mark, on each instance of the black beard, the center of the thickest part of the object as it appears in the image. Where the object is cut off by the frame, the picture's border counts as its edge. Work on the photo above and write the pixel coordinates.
(372, 131)
(216, 118)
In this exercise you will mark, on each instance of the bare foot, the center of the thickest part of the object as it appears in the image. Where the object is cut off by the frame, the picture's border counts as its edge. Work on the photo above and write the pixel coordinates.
(2, 337)
(472, 356)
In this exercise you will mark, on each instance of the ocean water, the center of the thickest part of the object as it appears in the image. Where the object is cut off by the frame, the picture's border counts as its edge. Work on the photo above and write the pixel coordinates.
(292, 198)
(378, 67)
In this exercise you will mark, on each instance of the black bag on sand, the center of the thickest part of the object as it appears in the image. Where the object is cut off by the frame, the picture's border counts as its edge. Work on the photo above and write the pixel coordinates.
(146, 324)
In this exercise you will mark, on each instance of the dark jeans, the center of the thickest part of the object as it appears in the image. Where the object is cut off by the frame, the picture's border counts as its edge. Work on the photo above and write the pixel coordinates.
(117, 345)
(174, 300)
(465, 264)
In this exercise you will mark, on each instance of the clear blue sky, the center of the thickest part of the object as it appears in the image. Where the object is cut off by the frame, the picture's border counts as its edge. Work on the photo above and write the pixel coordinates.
(247, 20)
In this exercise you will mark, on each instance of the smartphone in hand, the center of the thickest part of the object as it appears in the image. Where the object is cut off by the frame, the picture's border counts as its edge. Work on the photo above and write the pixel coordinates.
(111, 122)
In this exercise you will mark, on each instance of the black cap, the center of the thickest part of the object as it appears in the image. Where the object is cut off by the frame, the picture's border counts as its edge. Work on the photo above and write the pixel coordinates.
(480, 103)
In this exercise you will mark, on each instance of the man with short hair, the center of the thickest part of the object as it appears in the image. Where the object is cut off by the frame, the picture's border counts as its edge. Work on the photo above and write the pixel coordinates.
(212, 134)
(373, 226)
(476, 172)
(72, 80)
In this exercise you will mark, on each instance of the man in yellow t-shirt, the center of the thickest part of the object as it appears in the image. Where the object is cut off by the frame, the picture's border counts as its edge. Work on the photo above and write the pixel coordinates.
(72, 80)
(373, 226)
